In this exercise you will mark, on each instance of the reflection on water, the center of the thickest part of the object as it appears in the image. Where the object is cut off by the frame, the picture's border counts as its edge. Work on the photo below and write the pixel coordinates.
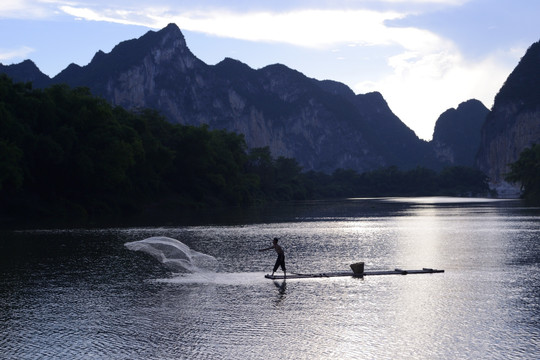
(79, 294)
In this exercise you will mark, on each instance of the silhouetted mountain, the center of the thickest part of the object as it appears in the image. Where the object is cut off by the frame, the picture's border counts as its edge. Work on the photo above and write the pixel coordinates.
(456, 137)
(322, 124)
(26, 71)
(514, 121)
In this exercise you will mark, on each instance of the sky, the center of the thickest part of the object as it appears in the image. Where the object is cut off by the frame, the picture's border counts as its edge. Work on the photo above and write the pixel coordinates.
(423, 56)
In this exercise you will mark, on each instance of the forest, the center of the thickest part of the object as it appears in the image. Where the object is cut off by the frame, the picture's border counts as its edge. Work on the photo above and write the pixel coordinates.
(67, 154)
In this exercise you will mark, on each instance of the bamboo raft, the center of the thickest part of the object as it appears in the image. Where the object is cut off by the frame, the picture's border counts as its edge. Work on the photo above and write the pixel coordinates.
(354, 274)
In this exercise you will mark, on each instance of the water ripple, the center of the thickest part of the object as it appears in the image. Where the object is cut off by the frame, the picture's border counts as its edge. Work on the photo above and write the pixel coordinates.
(83, 295)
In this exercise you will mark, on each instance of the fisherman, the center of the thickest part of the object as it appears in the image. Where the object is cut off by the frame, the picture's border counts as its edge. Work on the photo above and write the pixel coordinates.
(280, 258)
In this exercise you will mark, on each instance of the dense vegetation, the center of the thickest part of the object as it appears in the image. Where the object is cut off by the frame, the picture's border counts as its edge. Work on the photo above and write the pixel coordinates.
(526, 171)
(67, 154)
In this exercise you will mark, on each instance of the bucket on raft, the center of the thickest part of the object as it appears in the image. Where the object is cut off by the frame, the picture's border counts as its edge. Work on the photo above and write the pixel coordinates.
(358, 268)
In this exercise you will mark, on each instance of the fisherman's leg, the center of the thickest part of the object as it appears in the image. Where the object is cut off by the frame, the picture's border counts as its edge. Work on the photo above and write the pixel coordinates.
(276, 266)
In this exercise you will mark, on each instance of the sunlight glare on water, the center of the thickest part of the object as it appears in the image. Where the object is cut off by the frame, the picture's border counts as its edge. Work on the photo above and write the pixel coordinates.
(209, 278)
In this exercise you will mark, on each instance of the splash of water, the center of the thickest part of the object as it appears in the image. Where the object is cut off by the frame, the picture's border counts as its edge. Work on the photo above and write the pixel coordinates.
(174, 254)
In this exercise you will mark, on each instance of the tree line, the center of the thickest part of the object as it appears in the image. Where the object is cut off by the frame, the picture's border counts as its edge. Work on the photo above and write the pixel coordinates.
(526, 172)
(66, 153)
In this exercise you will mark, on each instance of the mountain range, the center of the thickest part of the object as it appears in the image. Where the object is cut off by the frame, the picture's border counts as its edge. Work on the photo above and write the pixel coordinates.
(324, 125)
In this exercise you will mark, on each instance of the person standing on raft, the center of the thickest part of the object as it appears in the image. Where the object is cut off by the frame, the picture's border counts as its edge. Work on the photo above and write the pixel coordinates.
(280, 258)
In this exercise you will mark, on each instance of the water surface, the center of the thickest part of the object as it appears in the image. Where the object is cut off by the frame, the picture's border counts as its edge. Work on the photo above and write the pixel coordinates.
(80, 293)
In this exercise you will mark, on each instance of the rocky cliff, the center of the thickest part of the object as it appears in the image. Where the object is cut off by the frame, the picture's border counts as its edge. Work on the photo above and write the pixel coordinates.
(514, 121)
(322, 124)
(456, 137)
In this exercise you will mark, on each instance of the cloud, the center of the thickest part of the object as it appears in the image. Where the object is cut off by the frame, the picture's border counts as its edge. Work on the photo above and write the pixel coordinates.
(25, 9)
(15, 54)
(308, 28)
(127, 17)
(422, 86)
(443, 2)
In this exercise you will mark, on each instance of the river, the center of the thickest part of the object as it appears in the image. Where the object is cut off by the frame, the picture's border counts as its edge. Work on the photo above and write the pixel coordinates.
(82, 294)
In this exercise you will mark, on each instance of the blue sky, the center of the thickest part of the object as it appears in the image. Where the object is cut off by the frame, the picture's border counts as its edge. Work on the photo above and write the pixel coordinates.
(424, 56)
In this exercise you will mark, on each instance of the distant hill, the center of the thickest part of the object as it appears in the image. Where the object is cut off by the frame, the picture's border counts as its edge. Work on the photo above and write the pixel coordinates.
(456, 137)
(26, 71)
(514, 121)
(322, 124)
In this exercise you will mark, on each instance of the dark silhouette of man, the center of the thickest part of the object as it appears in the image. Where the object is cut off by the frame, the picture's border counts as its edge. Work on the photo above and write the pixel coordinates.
(280, 258)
